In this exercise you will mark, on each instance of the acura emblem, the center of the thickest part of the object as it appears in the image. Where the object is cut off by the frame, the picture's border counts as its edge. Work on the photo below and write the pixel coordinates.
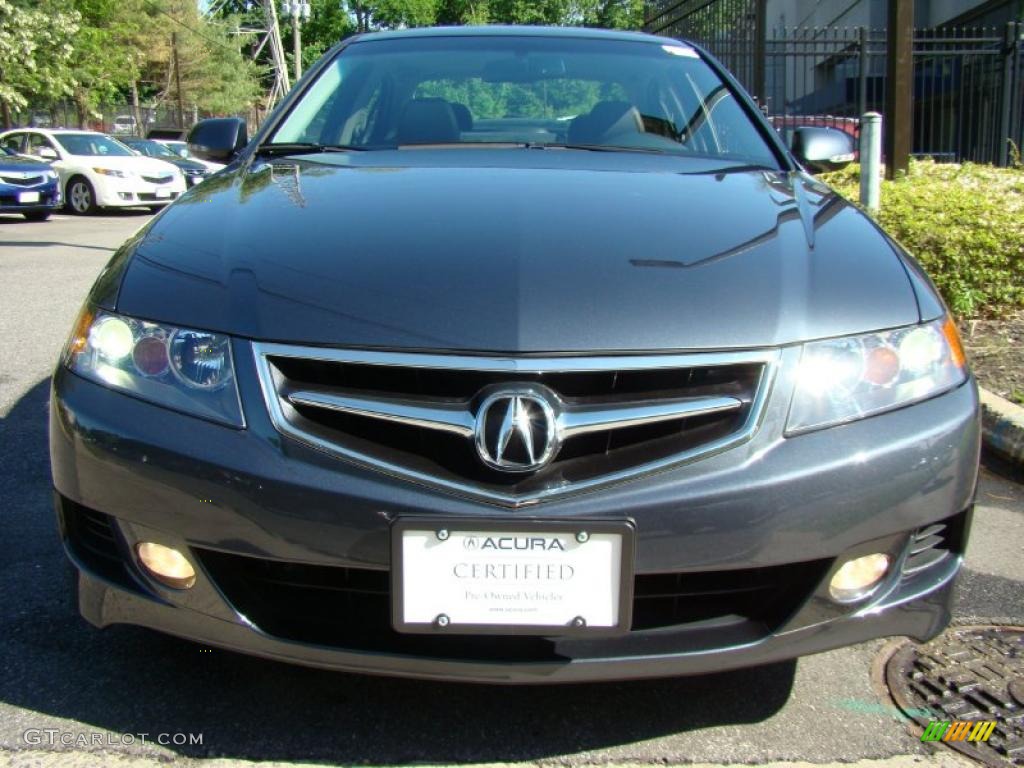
(516, 430)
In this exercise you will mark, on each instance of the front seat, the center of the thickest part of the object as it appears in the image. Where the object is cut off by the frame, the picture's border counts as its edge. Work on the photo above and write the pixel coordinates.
(427, 121)
(463, 117)
(606, 119)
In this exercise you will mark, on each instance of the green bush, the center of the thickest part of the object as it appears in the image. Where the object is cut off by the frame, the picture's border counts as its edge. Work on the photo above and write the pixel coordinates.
(964, 223)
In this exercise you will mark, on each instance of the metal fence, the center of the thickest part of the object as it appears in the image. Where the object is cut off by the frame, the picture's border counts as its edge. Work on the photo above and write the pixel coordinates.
(968, 85)
(111, 118)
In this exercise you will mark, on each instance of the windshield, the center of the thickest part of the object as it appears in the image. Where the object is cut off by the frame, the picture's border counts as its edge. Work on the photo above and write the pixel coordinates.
(613, 94)
(151, 148)
(91, 144)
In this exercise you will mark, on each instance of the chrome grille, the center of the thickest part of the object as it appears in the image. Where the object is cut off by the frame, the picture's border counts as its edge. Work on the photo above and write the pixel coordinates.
(22, 181)
(421, 416)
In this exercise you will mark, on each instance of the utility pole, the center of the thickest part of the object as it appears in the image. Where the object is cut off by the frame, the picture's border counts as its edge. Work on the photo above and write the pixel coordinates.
(760, 51)
(177, 80)
(298, 10)
(136, 109)
(899, 90)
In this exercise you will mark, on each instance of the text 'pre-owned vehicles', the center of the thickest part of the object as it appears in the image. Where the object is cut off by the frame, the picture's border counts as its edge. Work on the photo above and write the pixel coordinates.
(516, 355)
(97, 171)
(27, 186)
(193, 171)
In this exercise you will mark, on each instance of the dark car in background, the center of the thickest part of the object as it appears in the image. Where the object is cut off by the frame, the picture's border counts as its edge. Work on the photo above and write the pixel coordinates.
(515, 355)
(193, 170)
(27, 186)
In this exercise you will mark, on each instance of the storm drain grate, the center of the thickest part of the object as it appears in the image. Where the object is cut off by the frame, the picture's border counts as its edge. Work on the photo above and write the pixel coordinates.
(965, 675)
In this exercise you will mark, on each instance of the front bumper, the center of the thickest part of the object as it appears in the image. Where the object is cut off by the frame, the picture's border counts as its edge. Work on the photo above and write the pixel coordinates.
(769, 506)
(113, 192)
(11, 197)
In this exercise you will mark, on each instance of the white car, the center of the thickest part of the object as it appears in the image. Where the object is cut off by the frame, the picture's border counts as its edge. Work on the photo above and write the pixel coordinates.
(123, 124)
(97, 171)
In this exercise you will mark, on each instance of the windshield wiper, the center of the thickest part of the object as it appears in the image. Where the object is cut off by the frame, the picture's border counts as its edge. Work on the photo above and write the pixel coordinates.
(304, 148)
(599, 148)
(739, 168)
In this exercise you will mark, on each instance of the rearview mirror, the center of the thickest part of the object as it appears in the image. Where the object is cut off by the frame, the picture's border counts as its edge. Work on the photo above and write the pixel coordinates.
(822, 149)
(218, 139)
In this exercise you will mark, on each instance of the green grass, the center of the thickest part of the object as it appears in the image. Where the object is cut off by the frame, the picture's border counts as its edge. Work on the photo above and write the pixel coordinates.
(964, 223)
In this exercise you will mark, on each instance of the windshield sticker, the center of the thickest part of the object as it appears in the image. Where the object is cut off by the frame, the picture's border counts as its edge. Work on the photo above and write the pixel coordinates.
(680, 50)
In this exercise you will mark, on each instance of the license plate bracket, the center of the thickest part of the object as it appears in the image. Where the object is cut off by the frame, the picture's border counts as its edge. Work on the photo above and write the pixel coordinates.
(546, 575)
(28, 197)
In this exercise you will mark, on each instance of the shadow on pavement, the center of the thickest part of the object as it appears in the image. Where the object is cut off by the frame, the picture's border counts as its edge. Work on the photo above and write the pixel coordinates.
(131, 680)
(17, 218)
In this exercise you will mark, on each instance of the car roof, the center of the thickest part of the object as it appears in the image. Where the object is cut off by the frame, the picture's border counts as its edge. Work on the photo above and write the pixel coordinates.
(56, 131)
(500, 30)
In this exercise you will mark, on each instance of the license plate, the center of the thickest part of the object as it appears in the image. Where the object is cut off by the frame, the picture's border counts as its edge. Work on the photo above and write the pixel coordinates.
(163, 193)
(28, 197)
(505, 577)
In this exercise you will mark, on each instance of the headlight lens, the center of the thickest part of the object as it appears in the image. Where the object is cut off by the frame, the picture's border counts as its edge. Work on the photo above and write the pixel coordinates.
(110, 172)
(844, 379)
(180, 368)
(51, 175)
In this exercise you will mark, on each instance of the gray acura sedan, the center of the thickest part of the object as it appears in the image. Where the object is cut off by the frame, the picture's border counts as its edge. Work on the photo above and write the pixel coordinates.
(515, 355)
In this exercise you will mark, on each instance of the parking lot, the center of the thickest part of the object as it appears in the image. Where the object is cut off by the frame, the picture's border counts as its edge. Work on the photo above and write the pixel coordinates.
(61, 674)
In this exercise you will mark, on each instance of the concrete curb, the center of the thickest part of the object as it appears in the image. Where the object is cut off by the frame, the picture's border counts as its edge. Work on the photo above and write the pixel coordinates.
(1002, 426)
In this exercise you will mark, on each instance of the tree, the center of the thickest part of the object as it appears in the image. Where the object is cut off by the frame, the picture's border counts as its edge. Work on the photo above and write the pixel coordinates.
(214, 75)
(389, 14)
(392, 14)
(108, 51)
(35, 54)
(328, 23)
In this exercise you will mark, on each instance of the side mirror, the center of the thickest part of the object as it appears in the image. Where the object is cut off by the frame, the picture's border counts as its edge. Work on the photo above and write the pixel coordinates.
(218, 139)
(47, 153)
(822, 149)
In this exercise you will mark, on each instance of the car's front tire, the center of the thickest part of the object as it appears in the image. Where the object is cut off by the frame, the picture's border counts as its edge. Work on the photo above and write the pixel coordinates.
(81, 196)
(37, 215)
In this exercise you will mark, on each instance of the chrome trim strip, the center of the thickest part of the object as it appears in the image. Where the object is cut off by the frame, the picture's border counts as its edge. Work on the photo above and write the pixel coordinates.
(580, 421)
(525, 364)
(456, 419)
(768, 357)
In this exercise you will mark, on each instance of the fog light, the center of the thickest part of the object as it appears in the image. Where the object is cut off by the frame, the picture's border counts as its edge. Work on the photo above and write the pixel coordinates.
(166, 565)
(857, 578)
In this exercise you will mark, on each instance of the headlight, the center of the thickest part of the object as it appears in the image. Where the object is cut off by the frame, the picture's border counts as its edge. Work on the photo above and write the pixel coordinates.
(111, 172)
(844, 379)
(51, 175)
(180, 368)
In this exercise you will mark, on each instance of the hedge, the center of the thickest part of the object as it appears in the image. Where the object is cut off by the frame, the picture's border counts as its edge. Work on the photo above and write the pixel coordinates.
(964, 223)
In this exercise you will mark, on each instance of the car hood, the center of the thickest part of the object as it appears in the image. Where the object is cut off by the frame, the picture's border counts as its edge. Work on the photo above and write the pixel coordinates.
(516, 251)
(20, 165)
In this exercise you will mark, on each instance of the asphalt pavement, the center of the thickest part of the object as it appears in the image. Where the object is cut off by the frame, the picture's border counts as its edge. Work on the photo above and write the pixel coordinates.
(72, 695)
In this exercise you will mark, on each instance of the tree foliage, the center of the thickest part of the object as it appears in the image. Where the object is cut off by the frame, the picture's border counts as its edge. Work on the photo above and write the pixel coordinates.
(330, 21)
(214, 74)
(99, 51)
(964, 223)
(35, 53)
